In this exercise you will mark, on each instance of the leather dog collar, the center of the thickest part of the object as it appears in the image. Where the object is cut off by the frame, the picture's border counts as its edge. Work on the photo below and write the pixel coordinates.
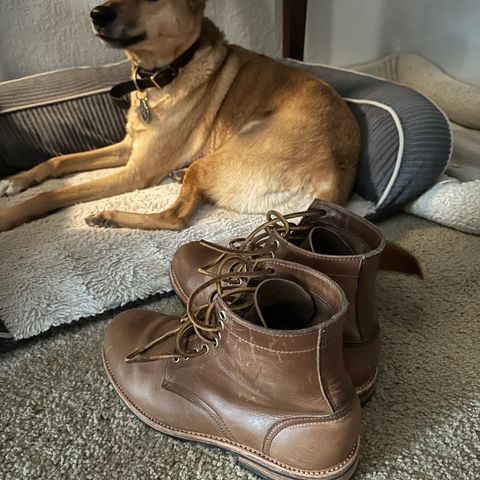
(143, 79)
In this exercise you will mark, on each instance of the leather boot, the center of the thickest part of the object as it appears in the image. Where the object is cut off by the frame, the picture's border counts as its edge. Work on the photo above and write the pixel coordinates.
(258, 371)
(329, 239)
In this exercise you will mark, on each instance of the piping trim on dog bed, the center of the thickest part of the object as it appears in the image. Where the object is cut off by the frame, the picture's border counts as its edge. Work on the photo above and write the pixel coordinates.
(363, 74)
(401, 143)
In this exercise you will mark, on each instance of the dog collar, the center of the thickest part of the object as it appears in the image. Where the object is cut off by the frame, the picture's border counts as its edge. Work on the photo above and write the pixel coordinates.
(144, 79)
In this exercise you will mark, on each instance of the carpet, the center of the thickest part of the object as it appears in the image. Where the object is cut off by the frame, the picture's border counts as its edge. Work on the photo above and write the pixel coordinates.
(61, 419)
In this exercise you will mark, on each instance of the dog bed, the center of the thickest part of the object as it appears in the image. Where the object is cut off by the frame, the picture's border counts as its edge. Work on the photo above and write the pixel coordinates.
(451, 203)
(406, 146)
(58, 270)
(407, 140)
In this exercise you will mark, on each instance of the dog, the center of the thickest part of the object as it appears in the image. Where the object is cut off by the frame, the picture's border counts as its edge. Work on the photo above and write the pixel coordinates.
(251, 133)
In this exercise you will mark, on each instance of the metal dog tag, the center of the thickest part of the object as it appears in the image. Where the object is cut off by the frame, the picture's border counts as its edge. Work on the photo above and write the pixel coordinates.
(144, 110)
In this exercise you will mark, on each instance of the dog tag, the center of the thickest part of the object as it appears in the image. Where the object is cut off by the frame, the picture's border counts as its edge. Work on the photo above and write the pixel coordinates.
(144, 110)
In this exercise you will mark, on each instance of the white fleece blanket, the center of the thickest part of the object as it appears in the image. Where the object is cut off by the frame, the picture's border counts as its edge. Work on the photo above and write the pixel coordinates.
(57, 270)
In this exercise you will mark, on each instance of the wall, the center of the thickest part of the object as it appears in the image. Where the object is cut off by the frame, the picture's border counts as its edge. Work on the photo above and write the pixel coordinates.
(39, 36)
(348, 32)
(254, 24)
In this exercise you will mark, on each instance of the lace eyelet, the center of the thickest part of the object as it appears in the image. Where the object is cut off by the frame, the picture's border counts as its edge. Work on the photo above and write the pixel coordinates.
(216, 342)
(176, 359)
(222, 326)
(276, 244)
(206, 347)
(223, 316)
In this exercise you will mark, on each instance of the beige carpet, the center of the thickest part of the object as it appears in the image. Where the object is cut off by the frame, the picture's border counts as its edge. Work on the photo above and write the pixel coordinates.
(60, 419)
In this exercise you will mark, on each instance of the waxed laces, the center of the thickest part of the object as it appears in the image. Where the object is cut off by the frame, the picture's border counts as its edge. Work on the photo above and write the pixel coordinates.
(204, 322)
(232, 276)
(255, 245)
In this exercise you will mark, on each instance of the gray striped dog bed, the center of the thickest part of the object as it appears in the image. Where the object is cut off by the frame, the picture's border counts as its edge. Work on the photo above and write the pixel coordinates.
(407, 141)
(57, 113)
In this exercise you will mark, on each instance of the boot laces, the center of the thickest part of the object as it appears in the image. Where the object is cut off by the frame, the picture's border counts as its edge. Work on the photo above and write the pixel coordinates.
(203, 322)
(232, 284)
(254, 246)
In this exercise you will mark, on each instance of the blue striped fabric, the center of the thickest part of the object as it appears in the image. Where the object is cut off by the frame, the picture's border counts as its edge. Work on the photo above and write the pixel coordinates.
(427, 137)
(58, 113)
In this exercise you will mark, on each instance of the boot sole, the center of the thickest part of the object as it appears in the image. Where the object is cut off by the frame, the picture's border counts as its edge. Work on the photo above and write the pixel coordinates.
(267, 474)
(248, 458)
(364, 392)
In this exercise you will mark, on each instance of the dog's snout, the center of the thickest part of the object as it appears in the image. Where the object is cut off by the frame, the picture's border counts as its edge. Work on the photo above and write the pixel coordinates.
(103, 16)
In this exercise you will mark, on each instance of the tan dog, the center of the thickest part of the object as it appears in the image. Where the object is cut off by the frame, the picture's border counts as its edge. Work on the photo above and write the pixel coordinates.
(254, 134)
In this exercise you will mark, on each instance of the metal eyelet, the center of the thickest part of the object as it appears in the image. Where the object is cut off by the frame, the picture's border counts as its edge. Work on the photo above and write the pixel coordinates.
(216, 342)
(222, 315)
(176, 359)
(207, 348)
(222, 326)
(276, 244)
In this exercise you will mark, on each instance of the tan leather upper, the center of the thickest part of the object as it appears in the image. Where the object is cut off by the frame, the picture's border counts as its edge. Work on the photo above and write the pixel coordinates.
(355, 273)
(277, 396)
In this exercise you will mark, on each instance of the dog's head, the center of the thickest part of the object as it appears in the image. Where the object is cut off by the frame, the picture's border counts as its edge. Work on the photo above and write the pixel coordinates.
(134, 24)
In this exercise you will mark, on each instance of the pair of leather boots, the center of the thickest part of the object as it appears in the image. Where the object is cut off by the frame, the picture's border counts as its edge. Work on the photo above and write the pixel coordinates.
(278, 347)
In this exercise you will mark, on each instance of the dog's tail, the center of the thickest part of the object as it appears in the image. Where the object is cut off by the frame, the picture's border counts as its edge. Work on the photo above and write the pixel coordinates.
(398, 259)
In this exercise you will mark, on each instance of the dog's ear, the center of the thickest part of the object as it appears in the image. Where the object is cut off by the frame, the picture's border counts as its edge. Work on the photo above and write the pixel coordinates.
(397, 259)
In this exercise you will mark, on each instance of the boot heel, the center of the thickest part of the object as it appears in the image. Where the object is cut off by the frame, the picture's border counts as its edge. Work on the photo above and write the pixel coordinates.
(267, 474)
(366, 392)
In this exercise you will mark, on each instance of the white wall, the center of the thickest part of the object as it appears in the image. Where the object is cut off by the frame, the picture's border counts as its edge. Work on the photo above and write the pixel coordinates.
(349, 32)
(43, 35)
(254, 24)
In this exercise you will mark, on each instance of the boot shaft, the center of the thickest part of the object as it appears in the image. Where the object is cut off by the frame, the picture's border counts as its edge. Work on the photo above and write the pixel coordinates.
(309, 361)
(355, 271)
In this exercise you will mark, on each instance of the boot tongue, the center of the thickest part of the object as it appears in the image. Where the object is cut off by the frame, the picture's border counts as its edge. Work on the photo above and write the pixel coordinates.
(281, 305)
(326, 241)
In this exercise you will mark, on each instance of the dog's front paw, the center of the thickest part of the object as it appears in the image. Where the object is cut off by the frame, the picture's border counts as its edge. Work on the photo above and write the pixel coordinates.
(8, 188)
(101, 220)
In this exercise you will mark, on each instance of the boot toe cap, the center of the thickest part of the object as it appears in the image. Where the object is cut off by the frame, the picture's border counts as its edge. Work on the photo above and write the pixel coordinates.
(134, 382)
